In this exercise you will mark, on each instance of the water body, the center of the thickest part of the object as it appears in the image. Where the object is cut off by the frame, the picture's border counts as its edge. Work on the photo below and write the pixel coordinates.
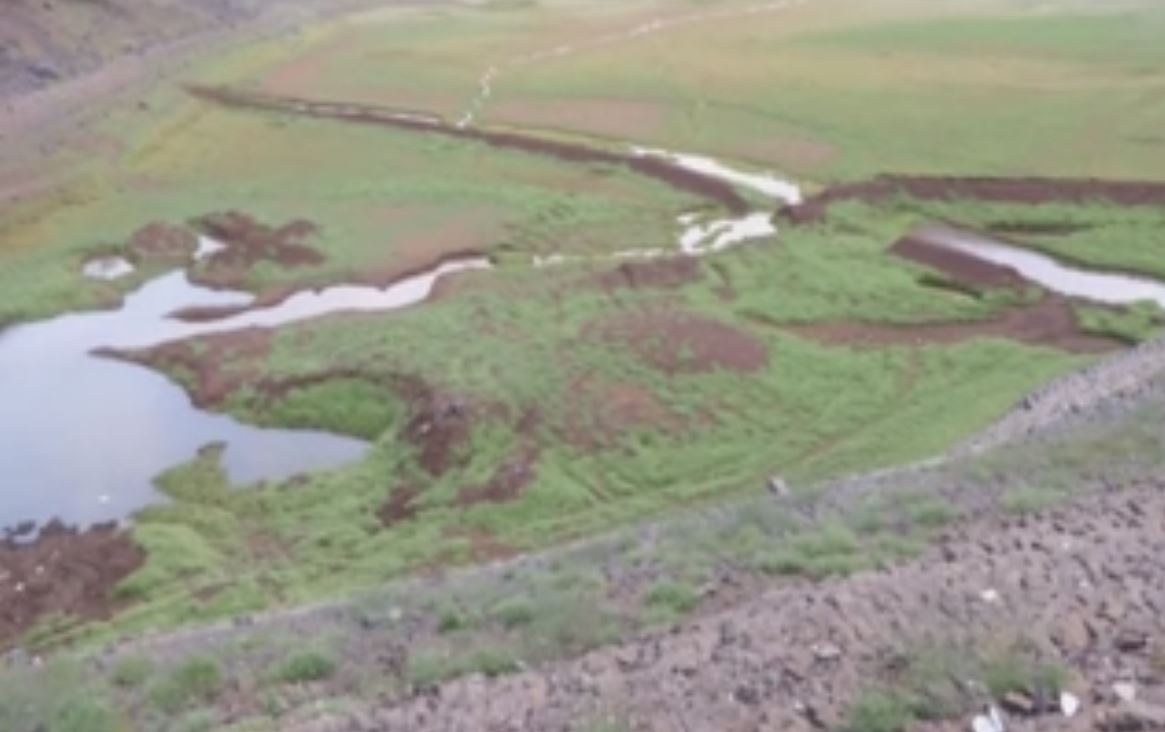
(1099, 286)
(84, 436)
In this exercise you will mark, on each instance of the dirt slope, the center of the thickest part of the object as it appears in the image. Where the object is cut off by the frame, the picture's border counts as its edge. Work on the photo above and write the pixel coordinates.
(1082, 584)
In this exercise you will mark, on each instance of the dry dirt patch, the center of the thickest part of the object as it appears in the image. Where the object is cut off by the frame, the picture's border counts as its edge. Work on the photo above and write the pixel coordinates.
(678, 342)
(63, 572)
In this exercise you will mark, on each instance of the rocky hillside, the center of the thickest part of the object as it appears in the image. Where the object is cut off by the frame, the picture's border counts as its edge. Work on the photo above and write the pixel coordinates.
(42, 41)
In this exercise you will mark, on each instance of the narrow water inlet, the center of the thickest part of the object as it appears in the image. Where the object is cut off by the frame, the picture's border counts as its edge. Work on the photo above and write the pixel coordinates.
(1099, 286)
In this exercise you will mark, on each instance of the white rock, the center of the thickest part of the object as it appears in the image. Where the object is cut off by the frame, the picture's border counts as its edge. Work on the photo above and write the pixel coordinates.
(1125, 691)
(1069, 704)
(990, 595)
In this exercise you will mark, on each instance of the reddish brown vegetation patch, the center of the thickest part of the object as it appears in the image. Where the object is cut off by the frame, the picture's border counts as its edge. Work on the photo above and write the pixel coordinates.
(598, 414)
(212, 367)
(163, 242)
(667, 273)
(400, 505)
(1003, 190)
(250, 242)
(1050, 322)
(959, 266)
(681, 342)
(62, 573)
(439, 426)
(511, 477)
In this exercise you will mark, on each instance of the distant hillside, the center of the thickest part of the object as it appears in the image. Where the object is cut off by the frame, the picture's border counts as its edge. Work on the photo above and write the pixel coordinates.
(42, 41)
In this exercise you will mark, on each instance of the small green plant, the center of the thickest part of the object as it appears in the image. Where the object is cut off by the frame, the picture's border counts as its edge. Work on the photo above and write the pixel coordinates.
(1013, 672)
(132, 671)
(1030, 500)
(198, 679)
(514, 612)
(451, 619)
(879, 711)
(674, 597)
(305, 667)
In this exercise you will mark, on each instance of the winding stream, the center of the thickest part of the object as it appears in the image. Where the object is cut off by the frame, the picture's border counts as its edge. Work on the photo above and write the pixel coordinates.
(1104, 287)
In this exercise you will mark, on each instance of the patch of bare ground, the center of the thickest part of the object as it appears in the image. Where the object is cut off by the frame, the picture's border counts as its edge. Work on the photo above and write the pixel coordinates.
(250, 242)
(1004, 190)
(678, 342)
(1049, 322)
(163, 242)
(62, 574)
(516, 472)
(213, 367)
(599, 413)
(664, 273)
(1077, 587)
(963, 268)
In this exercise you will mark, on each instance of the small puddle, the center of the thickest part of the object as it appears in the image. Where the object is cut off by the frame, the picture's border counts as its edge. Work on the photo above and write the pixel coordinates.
(84, 436)
(1099, 286)
(107, 268)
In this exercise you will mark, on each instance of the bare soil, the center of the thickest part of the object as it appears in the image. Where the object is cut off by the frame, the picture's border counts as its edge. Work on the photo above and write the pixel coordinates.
(62, 574)
(663, 273)
(677, 342)
(1049, 322)
(1078, 586)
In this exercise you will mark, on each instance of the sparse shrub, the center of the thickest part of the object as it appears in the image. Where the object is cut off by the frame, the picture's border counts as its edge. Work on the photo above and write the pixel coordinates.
(305, 667)
(514, 612)
(1030, 500)
(85, 715)
(673, 596)
(451, 618)
(131, 672)
(879, 711)
(198, 679)
(931, 513)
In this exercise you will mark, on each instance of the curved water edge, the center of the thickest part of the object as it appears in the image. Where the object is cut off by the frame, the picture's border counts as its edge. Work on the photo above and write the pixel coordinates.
(85, 436)
(1109, 288)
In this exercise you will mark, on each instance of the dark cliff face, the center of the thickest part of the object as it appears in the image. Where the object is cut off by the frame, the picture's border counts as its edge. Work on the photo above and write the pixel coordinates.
(44, 41)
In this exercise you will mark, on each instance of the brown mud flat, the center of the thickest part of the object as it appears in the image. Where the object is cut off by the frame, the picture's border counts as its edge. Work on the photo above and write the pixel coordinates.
(249, 242)
(1050, 322)
(664, 171)
(600, 413)
(159, 241)
(63, 573)
(963, 268)
(1031, 191)
(677, 342)
(664, 273)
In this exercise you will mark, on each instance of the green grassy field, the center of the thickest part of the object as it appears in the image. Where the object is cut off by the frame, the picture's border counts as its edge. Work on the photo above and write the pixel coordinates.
(615, 403)
(825, 90)
(618, 437)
